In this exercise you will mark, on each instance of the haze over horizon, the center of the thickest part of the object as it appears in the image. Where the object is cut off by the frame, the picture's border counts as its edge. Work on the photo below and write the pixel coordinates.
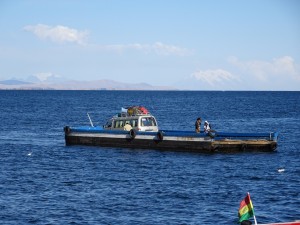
(196, 44)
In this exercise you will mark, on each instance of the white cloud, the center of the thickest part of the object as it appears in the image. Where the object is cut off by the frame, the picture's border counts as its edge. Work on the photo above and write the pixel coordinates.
(157, 48)
(264, 70)
(214, 77)
(163, 49)
(62, 34)
(57, 33)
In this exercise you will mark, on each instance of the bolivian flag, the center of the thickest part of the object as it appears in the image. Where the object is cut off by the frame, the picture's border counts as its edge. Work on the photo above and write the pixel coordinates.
(246, 210)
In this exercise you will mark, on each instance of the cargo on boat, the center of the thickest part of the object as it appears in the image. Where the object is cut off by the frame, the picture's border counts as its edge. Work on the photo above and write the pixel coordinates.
(136, 128)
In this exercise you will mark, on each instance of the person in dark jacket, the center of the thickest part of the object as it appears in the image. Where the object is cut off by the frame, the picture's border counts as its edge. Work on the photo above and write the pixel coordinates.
(198, 125)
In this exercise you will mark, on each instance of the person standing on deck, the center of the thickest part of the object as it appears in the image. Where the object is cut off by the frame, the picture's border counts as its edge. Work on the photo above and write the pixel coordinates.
(198, 125)
(206, 127)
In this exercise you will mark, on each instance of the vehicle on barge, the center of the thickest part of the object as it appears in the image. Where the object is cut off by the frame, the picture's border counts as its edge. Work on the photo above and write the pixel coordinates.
(135, 127)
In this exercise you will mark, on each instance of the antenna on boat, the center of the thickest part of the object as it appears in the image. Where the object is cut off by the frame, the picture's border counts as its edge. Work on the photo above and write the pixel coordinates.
(90, 120)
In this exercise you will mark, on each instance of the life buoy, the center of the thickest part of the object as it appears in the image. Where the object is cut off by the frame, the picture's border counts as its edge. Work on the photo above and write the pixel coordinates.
(67, 130)
(132, 134)
(160, 135)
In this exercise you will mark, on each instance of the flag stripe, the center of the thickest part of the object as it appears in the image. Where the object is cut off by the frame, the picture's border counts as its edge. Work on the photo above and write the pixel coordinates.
(246, 201)
(244, 210)
(245, 216)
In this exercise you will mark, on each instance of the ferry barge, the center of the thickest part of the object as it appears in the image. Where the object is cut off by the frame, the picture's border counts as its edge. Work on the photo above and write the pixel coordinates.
(136, 128)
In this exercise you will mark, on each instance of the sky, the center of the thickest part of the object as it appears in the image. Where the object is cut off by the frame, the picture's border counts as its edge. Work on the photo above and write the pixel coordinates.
(186, 44)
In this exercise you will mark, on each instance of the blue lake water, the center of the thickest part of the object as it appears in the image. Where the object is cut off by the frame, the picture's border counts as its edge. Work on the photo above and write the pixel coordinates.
(44, 182)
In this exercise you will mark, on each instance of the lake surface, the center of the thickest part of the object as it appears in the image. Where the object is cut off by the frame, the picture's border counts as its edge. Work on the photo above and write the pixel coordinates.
(44, 182)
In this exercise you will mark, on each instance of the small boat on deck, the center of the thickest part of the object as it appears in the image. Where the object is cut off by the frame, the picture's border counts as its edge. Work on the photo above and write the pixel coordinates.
(136, 128)
(284, 223)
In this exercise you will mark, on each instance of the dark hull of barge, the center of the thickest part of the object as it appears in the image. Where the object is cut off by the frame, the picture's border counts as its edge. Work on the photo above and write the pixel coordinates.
(183, 141)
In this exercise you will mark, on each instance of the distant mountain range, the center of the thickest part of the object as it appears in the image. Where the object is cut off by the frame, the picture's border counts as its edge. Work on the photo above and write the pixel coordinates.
(14, 82)
(50, 84)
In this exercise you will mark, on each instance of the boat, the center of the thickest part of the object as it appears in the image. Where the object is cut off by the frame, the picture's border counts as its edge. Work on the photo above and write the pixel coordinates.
(134, 127)
(284, 223)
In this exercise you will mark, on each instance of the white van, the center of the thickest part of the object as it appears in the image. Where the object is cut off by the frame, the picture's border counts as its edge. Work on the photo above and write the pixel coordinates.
(137, 122)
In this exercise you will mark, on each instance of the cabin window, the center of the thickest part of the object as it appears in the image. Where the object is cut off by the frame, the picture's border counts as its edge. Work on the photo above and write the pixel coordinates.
(116, 124)
(134, 123)
(148, 122)
(119, 124)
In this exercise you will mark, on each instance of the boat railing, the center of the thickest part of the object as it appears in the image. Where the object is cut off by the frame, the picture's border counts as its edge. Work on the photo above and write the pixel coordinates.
(272, 136)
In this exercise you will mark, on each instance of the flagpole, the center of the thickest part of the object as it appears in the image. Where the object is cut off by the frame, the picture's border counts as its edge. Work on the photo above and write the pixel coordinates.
(254, 219)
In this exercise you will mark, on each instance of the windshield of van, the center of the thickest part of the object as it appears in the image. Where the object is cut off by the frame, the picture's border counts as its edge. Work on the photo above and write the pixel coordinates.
(148, 122)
